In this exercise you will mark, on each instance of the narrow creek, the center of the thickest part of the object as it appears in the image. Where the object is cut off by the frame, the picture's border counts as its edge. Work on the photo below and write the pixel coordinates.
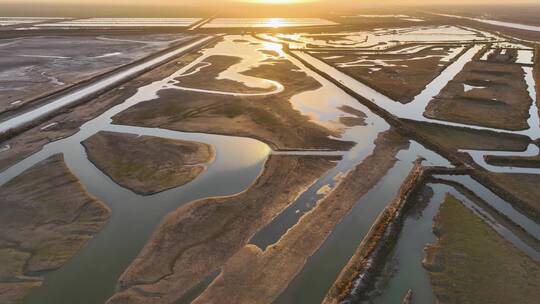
(93, 88)
(91, 276)
(322, 269)
(517, 228)
(404, 270)
(415, 109)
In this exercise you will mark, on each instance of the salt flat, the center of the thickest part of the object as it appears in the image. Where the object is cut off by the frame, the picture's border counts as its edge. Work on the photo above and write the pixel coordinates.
(124, 22)
(266, 22)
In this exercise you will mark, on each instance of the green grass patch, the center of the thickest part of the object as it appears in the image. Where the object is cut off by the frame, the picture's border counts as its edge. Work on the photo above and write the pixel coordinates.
(478, 265)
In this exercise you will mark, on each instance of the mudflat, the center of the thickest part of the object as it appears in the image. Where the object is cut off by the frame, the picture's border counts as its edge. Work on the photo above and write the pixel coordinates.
(47, 216)
(147, 164)
(206, 247)
(69, 121)
(34, 66)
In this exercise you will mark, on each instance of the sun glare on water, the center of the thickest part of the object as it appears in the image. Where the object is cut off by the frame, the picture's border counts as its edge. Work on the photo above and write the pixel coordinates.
(275, 22)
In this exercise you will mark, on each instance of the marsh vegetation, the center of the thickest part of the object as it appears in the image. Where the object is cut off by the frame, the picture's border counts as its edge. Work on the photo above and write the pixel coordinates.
(314, 162)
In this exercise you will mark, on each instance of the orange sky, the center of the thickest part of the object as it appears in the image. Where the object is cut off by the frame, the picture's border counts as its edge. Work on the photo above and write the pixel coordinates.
(214, 2)
(227, 8)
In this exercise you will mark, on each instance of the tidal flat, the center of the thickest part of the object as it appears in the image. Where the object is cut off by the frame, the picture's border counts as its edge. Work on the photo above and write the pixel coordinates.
(35, 67)
(271, 161)
(256, 103)
(69, 121)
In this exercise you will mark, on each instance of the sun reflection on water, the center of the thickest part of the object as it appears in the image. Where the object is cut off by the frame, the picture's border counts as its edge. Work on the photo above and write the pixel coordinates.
(276, 47)
(275, 22)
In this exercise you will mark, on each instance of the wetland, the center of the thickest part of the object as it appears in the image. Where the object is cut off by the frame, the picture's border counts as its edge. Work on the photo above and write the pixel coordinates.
(324, 163)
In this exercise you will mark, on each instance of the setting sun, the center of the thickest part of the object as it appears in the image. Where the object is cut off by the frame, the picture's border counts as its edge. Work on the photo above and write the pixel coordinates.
(269, 151)
(275, 22)
(277, 1)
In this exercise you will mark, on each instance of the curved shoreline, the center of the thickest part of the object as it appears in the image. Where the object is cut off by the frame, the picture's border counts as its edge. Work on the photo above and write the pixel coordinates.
(130, 168)
(220, 217)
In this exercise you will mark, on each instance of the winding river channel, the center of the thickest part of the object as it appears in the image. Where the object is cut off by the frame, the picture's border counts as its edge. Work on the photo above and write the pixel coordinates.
(108, 82)
(405, 271)
(91, 276)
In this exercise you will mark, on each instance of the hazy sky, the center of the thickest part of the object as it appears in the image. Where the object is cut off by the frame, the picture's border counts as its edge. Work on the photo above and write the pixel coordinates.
(210, 2)
(226, 8)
